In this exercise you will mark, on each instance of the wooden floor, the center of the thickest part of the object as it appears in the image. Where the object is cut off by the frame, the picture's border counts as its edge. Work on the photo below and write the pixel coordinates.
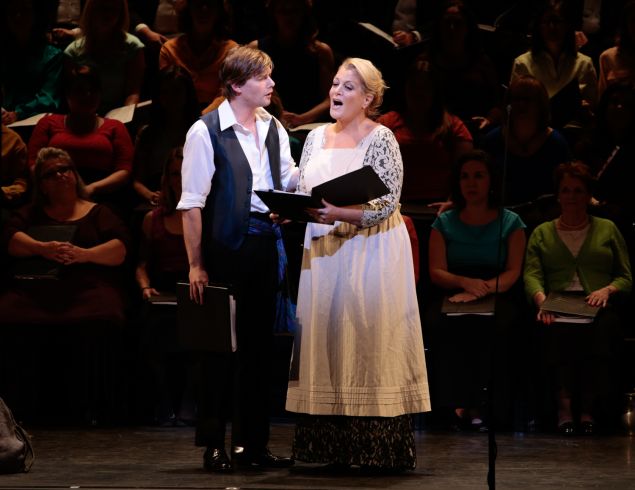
(153, 458)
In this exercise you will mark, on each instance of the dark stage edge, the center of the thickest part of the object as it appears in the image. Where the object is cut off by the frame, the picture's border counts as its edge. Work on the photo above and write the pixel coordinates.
(152, 458)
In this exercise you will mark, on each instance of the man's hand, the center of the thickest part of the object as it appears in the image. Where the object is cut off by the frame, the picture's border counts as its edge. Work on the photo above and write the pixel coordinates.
(198, 281)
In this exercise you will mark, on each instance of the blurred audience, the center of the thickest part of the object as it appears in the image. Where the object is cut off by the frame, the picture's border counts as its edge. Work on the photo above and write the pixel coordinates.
(618, 62)
(202, 47)
(174, 109)
(610, 151)
(107, 47)
(407, 22)
(469, 78)
(30, 68)
(14, 171)
(568, 76)
(526, 144)
(430, 138)
(303, 66)
(64, 18)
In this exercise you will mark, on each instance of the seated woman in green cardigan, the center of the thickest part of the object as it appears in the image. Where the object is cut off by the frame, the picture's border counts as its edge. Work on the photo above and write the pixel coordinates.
(579, 253)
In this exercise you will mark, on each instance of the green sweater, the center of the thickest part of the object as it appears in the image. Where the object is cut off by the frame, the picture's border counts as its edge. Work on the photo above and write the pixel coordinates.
(602, 260)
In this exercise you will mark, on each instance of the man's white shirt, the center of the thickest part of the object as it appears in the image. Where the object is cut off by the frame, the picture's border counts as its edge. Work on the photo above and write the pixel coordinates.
(198, 158)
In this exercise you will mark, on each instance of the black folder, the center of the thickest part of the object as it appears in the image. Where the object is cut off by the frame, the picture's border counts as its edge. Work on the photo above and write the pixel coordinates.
(39, 267)
(357, 187)
(569, 307)
(210, 327)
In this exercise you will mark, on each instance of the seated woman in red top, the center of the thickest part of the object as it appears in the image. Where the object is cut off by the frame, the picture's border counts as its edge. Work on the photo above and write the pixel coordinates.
(163, 259)
(429, 137)
(101, 148)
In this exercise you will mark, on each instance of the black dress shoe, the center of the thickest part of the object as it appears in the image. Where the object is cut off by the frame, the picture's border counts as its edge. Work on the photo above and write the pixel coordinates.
(263, 458)
(216, 460)
(587, 428)
(566, 429)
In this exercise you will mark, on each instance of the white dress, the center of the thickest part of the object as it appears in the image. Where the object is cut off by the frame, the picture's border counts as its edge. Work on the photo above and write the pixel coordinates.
(359, 348)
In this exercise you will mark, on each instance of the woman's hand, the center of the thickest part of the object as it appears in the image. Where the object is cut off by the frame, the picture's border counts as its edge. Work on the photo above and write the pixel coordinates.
(153, 197)
(52, 251)
(481, 122)
(442, 206)
(475, 287)
(326, 215)
(545, 317)
(463, 297)
(9, 117)
(404, 38)
(62, 36)
(148, 293)
(291, 119)
(600, 297)
(72, 254)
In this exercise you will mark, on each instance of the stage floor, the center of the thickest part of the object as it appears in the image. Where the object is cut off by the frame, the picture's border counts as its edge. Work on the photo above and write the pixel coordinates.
(153, 458)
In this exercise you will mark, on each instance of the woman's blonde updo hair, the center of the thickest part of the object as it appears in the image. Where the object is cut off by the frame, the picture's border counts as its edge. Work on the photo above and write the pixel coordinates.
(372, 81)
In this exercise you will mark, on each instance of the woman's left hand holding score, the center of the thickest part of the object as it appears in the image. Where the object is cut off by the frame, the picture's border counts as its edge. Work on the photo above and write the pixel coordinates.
(326, 215)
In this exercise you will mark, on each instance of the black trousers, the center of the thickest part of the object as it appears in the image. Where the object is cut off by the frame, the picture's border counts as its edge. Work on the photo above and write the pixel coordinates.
(243, 378)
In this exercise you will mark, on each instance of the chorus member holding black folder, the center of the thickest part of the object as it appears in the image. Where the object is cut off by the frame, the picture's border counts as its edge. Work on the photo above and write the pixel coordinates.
(358, 368)
(475, 255)
(582, 255)
(230, 239)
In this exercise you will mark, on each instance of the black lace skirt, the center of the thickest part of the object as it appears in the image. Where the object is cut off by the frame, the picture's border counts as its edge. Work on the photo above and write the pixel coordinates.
(372, 442)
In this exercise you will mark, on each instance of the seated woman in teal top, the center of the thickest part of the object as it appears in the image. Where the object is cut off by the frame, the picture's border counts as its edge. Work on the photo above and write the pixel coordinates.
(30, 68)
(466, 264)
(587, 255)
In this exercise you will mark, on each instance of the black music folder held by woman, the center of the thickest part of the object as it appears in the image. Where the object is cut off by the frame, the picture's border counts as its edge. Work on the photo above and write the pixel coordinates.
(210, 327)
(357, 187)
(569, 307)
(483, 306)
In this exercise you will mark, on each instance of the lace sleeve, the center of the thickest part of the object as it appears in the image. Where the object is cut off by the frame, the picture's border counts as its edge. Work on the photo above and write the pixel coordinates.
(307, 149)
(384, 157)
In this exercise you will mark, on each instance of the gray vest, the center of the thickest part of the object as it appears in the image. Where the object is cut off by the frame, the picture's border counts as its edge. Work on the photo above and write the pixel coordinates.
(225, 216)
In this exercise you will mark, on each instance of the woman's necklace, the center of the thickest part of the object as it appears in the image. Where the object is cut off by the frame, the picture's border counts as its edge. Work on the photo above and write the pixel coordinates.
(569, 227)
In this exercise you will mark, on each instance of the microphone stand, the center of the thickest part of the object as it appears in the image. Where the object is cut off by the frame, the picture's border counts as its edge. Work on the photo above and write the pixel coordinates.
(492, 447)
